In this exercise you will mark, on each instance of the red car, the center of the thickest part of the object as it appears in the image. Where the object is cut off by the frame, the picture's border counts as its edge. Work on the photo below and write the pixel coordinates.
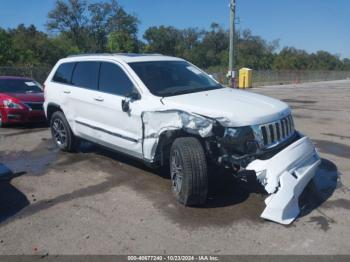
(21, 100)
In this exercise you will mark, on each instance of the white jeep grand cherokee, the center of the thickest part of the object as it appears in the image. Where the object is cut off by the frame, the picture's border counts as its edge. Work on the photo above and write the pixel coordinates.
(164, 110)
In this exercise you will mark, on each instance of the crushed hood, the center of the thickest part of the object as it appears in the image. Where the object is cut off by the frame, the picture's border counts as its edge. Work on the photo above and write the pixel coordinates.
(234, 107)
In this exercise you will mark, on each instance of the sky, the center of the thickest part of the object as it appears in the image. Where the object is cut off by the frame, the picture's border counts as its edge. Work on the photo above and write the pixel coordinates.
(305, 24)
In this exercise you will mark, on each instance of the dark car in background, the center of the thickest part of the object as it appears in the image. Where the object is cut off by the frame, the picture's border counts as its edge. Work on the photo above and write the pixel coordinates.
(21, 100)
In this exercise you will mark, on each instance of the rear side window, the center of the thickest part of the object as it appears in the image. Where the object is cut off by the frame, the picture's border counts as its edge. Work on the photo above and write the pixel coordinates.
(27, 86)
(113, 80)
(64, 73)
(86, 75)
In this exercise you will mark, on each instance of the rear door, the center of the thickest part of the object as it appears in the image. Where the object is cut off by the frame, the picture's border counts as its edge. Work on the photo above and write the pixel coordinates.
(81, 98)
(60, 89)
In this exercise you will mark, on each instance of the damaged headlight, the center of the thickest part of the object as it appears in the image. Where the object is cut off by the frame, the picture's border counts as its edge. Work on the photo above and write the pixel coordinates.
(197, 124)
(231, 132)
(239, 140)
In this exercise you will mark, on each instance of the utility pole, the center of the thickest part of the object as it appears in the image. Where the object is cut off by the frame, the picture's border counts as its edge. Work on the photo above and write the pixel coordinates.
(231, 73)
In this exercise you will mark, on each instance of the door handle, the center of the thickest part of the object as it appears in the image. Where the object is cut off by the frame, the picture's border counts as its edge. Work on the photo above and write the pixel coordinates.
(98, 99)
(66, 92)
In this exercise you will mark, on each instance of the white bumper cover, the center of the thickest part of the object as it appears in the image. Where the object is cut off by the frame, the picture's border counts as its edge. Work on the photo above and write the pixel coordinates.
(284, 177)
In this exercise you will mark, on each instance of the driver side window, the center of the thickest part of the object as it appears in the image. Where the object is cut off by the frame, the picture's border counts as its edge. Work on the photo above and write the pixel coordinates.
(113, 80)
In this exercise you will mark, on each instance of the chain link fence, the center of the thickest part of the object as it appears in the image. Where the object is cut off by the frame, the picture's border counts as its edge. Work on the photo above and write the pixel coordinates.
(260, 77)
(38, 73)
(267, 77)
(280, 77)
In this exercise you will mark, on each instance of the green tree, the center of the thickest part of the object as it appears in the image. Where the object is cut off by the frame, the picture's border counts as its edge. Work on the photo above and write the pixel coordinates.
(6, 50)
(188, 43)
(109, 22)
(120, 21)
(291, 58)
(323, 60)
(214, 44)
(162, 39)
(121, 42)
(32, 47)
(89, 27)
(69, 17)
(254, 52)
(346, 63)
(98, 26)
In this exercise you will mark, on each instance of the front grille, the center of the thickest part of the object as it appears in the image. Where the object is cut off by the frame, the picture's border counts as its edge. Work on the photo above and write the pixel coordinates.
(35, 106)
(275, 132)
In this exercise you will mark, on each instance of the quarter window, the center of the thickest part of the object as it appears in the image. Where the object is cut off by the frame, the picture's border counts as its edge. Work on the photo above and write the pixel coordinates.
(64, 73)
(113, 80)
(86, 75)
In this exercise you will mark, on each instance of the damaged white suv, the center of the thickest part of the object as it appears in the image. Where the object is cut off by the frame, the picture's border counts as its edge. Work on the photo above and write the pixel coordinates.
(166, 111)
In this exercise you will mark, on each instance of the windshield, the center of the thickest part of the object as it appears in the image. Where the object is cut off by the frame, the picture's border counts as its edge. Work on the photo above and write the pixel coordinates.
(169, 78)
(19, 86)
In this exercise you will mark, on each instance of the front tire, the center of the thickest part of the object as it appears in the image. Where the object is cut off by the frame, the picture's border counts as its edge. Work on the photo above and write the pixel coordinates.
(188, 169)
(62, 134)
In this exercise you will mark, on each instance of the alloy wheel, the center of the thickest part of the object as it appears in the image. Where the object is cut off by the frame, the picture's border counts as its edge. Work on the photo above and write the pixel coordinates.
(59, 132)
(176, 172)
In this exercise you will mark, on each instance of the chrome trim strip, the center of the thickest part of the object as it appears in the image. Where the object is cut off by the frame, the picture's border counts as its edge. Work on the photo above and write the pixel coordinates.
(108, 132)
(283, 128)
(287, 126)
(280, 128)
(267, 128)
(292, 122)
(274, 132)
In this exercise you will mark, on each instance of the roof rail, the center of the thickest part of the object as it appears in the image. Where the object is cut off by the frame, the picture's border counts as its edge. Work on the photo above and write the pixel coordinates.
(91, 54)
(138, 54)
(111, 54)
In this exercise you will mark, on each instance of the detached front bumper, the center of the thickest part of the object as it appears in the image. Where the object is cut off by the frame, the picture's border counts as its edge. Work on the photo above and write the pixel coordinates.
(285, 176)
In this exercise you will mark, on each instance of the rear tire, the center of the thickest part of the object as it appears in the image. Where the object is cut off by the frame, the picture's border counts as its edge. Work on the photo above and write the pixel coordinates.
(62, 134)
(188, 169)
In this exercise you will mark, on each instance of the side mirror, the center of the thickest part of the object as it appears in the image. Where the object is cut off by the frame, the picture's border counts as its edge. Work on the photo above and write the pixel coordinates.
(132, 96)
(125, 105)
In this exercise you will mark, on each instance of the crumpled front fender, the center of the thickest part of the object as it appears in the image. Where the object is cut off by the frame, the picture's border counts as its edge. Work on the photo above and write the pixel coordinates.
(156, 122)
(284, 177)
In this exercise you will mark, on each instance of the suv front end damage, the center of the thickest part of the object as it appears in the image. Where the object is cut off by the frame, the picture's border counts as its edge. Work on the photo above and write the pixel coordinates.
(281, 159)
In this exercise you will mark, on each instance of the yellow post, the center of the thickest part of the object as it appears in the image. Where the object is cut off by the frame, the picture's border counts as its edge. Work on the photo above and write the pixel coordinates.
(241, 81)
(245, 78)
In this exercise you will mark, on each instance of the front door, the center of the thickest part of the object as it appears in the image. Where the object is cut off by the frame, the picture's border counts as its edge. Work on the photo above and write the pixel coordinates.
(116, 128)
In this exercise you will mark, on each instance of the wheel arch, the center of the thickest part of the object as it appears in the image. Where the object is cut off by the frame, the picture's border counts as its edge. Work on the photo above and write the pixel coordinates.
(166, 139)
(51, 109)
